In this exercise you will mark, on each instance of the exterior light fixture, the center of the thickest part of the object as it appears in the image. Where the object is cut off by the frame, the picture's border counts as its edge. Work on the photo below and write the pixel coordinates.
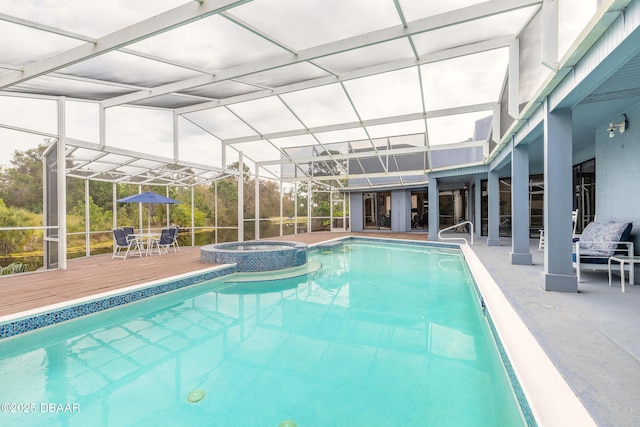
(622, 126)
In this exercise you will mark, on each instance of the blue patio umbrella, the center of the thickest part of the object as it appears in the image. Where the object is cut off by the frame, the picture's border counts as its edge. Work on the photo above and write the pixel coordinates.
(151, 198)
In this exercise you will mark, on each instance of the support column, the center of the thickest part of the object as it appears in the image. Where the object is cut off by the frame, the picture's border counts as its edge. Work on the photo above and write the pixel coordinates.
(61, 176)
(257, 209)
(240, 197)
(520, 253)
(558, 198)
(478, 207)
(434, 209)
(493, 216)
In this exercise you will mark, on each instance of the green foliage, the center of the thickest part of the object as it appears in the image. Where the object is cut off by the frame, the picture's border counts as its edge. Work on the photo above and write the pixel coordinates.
(15, 240)
(98, 218)
(21, 183)
(14, 267)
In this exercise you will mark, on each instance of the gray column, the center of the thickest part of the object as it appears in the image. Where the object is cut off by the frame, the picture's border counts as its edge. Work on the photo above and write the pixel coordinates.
(558, 193)
(478, 207)
(434, 209)
(520, 253)
(493, 216)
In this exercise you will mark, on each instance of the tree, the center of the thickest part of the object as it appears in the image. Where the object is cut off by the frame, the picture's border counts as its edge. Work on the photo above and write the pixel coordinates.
(15, 240)
(21, 183)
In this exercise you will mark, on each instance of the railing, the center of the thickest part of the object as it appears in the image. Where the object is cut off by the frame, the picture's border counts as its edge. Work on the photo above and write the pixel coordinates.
(460, 224)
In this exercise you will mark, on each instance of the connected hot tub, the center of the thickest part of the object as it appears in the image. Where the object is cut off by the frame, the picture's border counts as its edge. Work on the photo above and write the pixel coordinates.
(256, 255)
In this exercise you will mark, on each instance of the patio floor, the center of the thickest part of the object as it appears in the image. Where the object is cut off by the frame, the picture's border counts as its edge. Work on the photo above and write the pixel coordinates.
(591, 336)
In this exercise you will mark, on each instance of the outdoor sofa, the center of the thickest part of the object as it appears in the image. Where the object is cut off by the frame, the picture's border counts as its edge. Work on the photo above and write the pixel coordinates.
(598, 242)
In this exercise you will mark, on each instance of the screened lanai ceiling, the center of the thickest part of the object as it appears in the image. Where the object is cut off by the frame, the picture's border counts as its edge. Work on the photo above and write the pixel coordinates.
(350, 92)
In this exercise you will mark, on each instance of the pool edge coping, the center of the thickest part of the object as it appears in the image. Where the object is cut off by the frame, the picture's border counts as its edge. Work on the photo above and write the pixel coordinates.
(551, 399)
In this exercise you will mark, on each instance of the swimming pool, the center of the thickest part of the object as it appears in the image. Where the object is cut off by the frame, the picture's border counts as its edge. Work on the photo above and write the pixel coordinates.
(382, 334)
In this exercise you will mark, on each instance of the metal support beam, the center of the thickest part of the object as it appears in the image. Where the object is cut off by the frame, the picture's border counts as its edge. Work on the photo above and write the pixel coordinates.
(240, 197)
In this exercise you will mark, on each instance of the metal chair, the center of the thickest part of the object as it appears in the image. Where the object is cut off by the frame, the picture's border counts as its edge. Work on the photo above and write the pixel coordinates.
(121, 243)
(176, 230)
(166, 239)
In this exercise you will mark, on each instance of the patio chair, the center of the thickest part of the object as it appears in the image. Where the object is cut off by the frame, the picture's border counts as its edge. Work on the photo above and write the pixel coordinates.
(128, 231)
(122, 243)
(574, 218)
(165, 240)
(599, 242)
(176, 230)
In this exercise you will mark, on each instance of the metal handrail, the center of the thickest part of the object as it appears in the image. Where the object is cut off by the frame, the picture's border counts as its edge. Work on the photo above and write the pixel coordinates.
(455, 226)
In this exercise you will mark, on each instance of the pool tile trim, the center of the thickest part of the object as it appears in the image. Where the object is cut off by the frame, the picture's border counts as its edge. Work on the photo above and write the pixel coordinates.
(20, 323)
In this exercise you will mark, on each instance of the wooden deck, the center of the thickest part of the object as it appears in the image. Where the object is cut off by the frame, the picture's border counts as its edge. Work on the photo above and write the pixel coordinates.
(97, 274)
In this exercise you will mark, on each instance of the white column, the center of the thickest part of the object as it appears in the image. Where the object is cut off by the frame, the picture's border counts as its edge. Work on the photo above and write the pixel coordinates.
(87, 221)
(62, 185)
(257, 210)
(193, 219)
(558, 200)
(309, 198)
(240, 197)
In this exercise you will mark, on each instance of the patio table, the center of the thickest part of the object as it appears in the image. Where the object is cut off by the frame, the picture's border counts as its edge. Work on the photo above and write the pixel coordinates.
(622, 259)
(149, 238)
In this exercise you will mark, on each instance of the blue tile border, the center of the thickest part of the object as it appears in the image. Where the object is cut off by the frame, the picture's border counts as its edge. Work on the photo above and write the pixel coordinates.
(523, 403)
(284, 254)
(38, 321)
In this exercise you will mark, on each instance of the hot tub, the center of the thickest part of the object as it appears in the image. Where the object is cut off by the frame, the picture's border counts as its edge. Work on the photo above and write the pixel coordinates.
(256, 255)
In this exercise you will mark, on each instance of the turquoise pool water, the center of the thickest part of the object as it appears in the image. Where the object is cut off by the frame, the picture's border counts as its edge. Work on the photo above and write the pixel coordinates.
(381, 335)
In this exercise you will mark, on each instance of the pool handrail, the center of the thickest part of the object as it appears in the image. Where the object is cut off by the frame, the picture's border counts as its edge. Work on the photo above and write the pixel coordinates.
(456, 226)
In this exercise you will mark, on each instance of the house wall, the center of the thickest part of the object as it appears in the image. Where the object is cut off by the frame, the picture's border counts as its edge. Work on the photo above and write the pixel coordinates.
(618, 174)
(355, 212)
(400, 210)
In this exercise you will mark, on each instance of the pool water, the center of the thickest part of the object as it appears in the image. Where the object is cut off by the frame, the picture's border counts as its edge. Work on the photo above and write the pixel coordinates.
(381, 335)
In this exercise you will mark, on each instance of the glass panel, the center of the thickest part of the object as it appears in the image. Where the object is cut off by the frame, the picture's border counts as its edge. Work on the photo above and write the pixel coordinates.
(400, 128)
(198, 146)
(286, 75)
(128, 69)
(141, 130)
(467, 80)
(82, 121)
(221, 123)
(492, 27)
(321, 106)
(267, 115)
(368, 56)
(212, 43)
(419, 209)
(34, 44)
(333, 21)
(29, 114)
(94, 19)
(388, 94)
(573, 16)
(455, 128)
